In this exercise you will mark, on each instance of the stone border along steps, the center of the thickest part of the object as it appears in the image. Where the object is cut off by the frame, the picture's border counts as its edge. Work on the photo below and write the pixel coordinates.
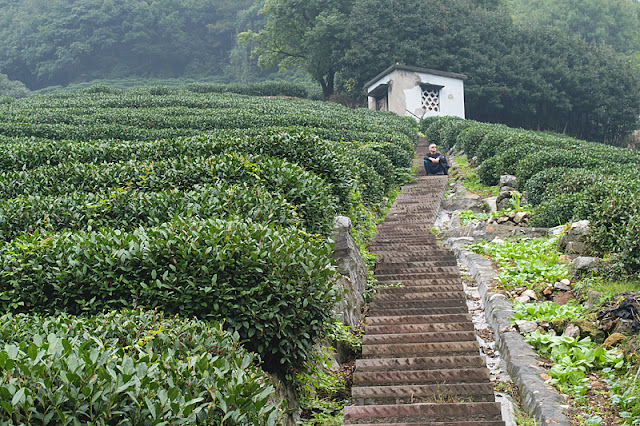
(421, 363)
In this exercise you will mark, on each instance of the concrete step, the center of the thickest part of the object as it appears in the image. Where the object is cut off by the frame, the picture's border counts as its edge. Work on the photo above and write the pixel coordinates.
(420, 349)
(450, 336)
(425, 414)
(417, 276)
(419, 363)
(388, 280)
(380, 306)
(421, 377)
(422, 311)
(417, 319)
(411, 394)
(413, 293)
(441, 327)
(435, 268)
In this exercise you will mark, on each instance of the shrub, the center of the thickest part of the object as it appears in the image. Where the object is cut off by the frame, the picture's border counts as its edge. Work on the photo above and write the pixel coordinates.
(611, 217)
(274, 287)
(535, 162)
(451, 129)
(469, 139)
(266, 88)
(130, 367)
(305, 190)
(536, 186)
(492, 168)
(555, 211)
(127, 208)
(494, 142)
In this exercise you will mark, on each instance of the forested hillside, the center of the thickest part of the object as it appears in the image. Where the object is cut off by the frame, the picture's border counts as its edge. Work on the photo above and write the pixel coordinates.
(57, 42)
(567, 66)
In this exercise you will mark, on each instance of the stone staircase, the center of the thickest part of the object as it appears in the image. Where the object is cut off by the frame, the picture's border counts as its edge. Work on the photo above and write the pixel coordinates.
(421, 363)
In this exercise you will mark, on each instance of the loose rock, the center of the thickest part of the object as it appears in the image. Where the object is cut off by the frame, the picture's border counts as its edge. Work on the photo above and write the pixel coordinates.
(562, 286)
(526, 326)
(572, 331)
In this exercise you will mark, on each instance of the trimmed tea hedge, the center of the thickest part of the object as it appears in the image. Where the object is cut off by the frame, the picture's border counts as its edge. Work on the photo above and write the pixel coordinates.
(129, 208)
(274, 287)
(564, 178)
(305, 190)
(130, 367)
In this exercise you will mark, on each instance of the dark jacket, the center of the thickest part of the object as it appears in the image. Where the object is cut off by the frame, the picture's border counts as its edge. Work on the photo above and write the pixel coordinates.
(441, 168)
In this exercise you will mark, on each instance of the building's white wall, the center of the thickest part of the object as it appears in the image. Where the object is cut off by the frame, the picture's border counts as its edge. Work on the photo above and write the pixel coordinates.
(451, 96)
(405, 94)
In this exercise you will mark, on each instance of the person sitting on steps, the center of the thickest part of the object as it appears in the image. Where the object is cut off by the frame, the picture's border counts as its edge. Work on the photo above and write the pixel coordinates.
(435, 163)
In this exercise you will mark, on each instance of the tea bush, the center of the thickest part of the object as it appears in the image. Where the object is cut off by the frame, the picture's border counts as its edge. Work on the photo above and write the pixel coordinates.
(266, 88)
(470, 138)
(128, 208)
(555, 211)
(272, 286)
(565, 178)
(305, 190)
(214, 205)
(129, 367)
(490, 170)
(494, 142)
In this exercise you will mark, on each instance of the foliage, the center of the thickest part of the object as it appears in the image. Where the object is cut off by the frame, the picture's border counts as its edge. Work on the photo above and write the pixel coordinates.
(555, 211)
(615, 223)
(134, 367)
(614, 23)
(625, 393)
(301, 188)
(128, 208)
(524, 262)
(573, 359)
(303, 34)
(13, 89)
(97, 39)
(529, 76)
(274, 287)
(547, 311)
(566, 179)
(211, 205)
(471, 180)
(468, 216)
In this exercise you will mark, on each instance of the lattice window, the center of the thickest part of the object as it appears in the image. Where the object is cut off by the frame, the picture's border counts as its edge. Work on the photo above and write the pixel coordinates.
(431, 99)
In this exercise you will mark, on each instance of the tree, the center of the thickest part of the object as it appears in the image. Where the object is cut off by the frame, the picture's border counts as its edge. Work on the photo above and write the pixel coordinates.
(303, 33)
(14, 89)
(529, 76)
(612, 22)
(57, 42)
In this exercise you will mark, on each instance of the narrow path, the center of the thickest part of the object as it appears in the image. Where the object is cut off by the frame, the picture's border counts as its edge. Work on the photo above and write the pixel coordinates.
(421, 363)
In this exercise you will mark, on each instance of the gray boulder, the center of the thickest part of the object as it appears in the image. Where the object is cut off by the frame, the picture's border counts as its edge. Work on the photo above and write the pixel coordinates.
(573, 240)
(507, 180)
(583, 265)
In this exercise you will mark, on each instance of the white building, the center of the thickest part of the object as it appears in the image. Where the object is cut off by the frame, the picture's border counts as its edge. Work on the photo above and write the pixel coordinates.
(417, 92)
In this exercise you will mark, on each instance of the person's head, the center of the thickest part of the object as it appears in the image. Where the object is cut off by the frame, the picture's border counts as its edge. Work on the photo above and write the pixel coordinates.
(432, 148)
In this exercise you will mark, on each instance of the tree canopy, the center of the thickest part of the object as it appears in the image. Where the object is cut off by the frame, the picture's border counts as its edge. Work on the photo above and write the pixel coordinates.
(568, 65)
(612, 22)
(303, 33)
(531, 76)
(55, 42)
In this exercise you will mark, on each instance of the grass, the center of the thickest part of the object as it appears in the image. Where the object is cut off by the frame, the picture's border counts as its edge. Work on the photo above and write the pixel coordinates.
(471, 181)
(609, 287)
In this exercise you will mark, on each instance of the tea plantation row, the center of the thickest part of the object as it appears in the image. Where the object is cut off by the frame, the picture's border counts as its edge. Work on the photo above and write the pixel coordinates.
(218, 207)
(563, 178)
